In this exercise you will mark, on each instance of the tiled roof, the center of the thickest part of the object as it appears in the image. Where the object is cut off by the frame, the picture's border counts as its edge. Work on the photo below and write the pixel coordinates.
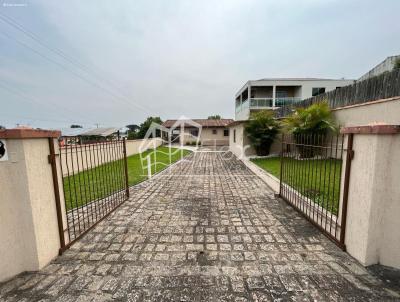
(202, 122)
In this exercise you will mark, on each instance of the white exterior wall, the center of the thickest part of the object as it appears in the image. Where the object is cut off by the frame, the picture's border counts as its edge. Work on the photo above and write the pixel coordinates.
(373, 224)
(379, 112)
(207, 137)
(241, 147)
(28, 219)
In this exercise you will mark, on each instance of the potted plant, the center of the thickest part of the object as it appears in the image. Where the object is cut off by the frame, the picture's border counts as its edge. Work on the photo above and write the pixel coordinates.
(310, 126)
(261, 130)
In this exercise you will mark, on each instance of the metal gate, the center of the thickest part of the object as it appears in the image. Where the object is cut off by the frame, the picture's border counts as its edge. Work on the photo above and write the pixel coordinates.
(314, 179)
(95, 182)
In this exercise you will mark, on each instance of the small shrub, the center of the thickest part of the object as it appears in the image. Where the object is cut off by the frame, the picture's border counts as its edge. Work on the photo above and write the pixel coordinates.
(261, 130)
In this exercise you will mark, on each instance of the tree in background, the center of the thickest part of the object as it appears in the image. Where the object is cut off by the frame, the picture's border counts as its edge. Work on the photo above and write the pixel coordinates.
(146, 125)
(133, 130)
(76, 126)
(261, 130)
(397, 64)
(214, 117)
(2, 127)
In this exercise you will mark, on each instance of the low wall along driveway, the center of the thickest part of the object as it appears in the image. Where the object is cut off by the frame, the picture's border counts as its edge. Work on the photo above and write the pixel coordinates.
(83, 157)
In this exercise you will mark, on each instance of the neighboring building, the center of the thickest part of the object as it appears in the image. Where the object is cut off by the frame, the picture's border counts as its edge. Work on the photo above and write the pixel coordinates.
(271, 93)
(86, 136)
(384, 66)
(205, 131)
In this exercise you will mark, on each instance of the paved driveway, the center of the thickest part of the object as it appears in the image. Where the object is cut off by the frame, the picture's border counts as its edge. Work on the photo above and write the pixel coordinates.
(206, 229)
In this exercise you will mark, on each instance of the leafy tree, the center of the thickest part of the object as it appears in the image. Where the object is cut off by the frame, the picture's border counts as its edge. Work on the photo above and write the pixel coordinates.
(133, 131)
(261, 130)
(306, 123)
(133, 127)
(397, 64)
(76, 126)
(214, 117)
(146, 125)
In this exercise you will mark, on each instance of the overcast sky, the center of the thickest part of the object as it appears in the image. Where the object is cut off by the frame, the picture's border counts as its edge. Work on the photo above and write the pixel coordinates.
(117, 62)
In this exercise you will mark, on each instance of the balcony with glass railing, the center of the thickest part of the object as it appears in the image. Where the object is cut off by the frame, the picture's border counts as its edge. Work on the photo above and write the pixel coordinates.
(243, 109)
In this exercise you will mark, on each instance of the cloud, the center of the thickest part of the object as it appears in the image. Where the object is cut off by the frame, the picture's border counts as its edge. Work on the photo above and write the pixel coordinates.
(174, 58)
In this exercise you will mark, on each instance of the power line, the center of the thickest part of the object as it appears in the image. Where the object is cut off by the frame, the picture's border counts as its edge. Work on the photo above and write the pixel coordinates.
(12, 22)
(73, 61)
(30, 99)
(64, 68)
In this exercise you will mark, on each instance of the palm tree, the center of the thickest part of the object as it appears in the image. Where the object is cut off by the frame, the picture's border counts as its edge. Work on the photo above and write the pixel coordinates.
(310, 126)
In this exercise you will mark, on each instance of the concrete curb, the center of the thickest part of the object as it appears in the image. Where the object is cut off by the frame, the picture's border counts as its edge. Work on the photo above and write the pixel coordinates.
(268, 178)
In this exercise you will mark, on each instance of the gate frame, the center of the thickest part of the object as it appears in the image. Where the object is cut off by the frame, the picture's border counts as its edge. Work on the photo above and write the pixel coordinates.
(349, 156)
(58, 190)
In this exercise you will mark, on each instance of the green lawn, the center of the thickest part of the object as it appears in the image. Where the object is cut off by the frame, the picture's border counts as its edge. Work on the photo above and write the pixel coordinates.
(105, 179)
(319, 179)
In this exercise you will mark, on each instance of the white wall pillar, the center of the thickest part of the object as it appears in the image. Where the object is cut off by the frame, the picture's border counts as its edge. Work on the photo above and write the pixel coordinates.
(28, 217)
(373, 224)
(273, 95)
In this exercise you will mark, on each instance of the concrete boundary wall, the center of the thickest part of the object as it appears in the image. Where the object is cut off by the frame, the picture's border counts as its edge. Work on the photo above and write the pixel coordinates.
(373, 224)
(29, 233)
(91, 155)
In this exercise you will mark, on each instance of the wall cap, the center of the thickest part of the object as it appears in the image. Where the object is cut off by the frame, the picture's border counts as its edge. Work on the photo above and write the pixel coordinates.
(371, 129)
(396, 98)
(29, 133)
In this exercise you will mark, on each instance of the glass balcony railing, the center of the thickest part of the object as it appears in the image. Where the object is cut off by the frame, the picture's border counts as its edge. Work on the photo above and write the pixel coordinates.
(262, 103)
(279, 102)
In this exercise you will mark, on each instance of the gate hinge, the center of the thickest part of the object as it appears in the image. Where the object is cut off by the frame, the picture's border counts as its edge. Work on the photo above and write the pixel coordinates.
(350, 154)
(52, 158)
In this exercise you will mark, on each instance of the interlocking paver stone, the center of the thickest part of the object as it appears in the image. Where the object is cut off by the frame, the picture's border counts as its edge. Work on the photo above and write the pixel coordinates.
(205, 229)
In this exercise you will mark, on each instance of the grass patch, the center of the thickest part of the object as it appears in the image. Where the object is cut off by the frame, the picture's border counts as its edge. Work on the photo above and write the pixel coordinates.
(317, 179)
(101, 181)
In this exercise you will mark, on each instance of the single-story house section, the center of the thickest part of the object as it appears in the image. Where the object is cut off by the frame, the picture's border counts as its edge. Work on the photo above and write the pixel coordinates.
(207, 132)
(240, 145)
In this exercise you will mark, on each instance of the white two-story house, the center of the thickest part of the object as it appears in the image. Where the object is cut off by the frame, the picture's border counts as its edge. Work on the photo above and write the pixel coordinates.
(272, 93)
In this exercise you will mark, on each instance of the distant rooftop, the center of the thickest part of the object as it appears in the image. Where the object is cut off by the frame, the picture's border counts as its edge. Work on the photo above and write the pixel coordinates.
(202, 122)
(89, 131)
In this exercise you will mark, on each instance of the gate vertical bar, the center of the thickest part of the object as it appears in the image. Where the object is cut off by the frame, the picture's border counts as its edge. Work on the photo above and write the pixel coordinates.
(126, 170)
(280, 178)
(349, 157)
(53, 163)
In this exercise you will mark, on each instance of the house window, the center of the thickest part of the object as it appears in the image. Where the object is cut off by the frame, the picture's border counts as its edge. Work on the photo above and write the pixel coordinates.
(281, 94)
(318, 90)
(234, 135)
(226, 132)
(214, 131)
(194, 132)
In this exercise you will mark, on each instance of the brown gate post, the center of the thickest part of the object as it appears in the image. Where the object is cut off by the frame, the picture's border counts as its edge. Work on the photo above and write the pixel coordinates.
(349, 157)
(126, 171)
(53, 163)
